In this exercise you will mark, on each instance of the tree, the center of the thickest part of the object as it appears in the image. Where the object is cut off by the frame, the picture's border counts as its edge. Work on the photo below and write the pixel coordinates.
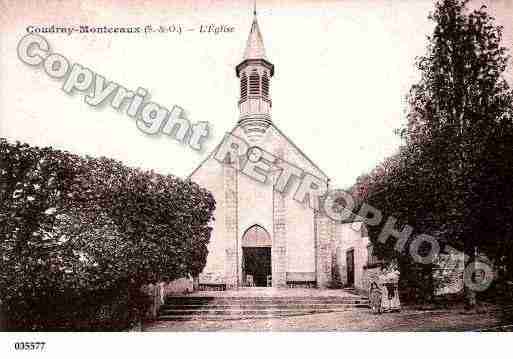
(452, 178)
(460, 119)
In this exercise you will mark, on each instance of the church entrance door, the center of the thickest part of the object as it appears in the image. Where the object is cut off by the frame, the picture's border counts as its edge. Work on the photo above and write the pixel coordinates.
(256, 257)
(350, 267)
(256, 265)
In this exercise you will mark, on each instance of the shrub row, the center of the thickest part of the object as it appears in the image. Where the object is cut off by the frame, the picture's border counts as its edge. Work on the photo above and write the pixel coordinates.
(79, 235)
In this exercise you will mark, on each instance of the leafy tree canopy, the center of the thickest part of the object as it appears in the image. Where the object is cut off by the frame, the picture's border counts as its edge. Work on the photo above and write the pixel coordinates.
(73, 227)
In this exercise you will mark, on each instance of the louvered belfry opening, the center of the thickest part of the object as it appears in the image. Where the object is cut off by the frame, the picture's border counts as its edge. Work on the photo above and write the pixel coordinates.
(243, 86)
(254, 83)
(265, 85)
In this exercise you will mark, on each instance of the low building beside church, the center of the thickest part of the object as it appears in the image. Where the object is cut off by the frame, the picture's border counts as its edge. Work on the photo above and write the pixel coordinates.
(261, 236)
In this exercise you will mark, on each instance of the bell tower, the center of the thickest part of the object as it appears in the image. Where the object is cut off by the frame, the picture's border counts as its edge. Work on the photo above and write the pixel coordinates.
(255, 73)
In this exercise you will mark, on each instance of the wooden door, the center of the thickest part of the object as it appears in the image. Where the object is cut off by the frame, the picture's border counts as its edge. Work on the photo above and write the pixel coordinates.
(350, 267)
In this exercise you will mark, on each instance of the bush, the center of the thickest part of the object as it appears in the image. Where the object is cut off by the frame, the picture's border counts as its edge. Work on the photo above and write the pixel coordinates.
(80, 236)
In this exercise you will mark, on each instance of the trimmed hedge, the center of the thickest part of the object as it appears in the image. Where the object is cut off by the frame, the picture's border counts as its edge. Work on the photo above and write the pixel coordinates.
(78, 235)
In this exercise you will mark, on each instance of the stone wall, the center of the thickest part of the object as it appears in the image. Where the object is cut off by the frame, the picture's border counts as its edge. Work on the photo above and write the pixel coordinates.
(449, 273)
(231, 225)
(324, 236)
(348, 236)
(279, 248)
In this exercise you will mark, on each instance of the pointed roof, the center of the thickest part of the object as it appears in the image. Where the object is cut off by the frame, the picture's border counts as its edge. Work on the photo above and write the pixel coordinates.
(255, 44)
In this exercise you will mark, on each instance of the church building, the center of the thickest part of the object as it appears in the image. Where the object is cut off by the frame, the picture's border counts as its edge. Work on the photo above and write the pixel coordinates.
(263, 237)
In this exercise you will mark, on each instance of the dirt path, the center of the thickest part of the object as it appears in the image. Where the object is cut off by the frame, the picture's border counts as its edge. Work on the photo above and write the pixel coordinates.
(363, 320)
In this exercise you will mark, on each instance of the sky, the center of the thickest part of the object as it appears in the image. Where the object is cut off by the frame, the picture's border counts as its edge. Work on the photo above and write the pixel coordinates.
(342, 71)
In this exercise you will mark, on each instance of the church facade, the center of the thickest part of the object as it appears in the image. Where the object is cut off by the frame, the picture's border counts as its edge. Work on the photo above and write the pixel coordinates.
(261, 236)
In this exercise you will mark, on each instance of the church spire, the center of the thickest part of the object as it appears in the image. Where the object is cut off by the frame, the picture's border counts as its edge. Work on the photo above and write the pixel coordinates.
(255, 72)
(255, 45)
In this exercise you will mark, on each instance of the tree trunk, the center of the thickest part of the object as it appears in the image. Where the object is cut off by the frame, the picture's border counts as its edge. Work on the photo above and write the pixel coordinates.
(470, 295)
(470, 299)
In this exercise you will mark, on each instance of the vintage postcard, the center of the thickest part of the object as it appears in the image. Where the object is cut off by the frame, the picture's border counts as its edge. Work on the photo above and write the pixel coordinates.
(254, 166)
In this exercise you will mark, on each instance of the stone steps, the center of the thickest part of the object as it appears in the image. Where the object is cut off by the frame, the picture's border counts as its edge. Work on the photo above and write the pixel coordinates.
(262, 307)
(233, 308)
(248, 312)
(263, 300)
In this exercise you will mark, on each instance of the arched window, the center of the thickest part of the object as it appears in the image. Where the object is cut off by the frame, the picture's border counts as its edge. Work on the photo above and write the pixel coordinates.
(265, 85)
(256, 236)
(254, 83)
(243, 87)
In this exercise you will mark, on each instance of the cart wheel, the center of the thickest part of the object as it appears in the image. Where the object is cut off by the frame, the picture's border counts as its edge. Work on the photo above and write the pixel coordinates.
(375, 301)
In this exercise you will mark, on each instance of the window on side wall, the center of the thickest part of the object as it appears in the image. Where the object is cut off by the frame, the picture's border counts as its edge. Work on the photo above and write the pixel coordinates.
(371, 258)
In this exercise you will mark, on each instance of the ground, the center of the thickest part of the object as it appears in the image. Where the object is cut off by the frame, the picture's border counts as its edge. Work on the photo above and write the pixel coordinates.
(407, 320)
(489, 317)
